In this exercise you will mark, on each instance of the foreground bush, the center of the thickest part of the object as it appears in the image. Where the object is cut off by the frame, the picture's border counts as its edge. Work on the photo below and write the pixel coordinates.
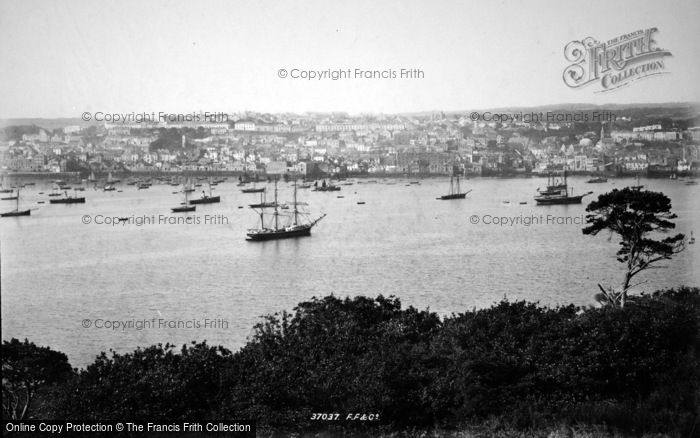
(516, 364)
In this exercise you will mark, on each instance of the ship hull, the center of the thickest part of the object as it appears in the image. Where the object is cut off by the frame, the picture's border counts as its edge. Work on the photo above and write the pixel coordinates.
(280, 234)
(209, 200)
(262, 205)
(327, 189)
(453, 196)
(67, 201)
(253, 190)
(560, 201)
(183, 209)
(16, 213)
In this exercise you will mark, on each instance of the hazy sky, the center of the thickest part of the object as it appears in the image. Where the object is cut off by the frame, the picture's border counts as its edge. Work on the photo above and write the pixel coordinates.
(60, 58)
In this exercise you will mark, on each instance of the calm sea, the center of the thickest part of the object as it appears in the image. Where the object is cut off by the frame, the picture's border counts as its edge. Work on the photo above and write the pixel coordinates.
(58, 271)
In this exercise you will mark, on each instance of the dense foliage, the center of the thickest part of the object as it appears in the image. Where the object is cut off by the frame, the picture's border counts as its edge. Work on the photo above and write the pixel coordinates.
(27, 369)
(527, 366)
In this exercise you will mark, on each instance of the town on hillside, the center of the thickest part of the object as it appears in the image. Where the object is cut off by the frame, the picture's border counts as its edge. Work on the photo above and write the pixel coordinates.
(659, 141)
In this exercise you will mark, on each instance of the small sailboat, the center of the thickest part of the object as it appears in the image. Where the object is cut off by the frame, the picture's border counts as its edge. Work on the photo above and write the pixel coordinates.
(111, 180)
(185, 207)
(691, 241)
(253, 189)
(638, 186)
(55, 191)
(17, 211)
(263, 202)
(455, 192)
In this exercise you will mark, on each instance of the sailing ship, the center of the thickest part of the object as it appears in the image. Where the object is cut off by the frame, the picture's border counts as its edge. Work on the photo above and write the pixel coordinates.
(185, 206)
(206, 199)
(560, 195)
(296, 227)
(455, 192)
(17, 211)
(68, 200)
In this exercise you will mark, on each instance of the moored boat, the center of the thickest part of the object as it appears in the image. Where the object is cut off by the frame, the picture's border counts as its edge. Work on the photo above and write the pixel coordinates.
(559, 196)
(455, 192)
(16, 211)
(296, 227)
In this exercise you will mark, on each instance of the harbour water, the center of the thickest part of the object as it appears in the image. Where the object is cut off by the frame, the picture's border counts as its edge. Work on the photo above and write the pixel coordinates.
(58, 271)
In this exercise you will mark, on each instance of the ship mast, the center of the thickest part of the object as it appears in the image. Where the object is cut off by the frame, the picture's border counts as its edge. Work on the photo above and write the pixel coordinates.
(295, 203)
(276, 211)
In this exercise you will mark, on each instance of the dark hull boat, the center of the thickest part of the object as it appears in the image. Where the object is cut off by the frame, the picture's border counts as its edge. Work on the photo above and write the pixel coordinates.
(559, 196)
(298, 231)
(263, 205)
(558, 200)
(80, 200)
(454, 196)
(276, 231)
(253, 190)
(455, 192)
(185, 206)
(326, 187)
(184, 209)
(206, 200)
(16, 213)
(9, 198)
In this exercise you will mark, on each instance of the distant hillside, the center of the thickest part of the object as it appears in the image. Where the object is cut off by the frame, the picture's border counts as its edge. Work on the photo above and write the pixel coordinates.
(682, 109)
(15, 132)
(48, 124)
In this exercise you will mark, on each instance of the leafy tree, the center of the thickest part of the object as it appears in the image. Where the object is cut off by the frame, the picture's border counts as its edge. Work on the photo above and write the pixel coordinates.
(25, 369)
(636, 216)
